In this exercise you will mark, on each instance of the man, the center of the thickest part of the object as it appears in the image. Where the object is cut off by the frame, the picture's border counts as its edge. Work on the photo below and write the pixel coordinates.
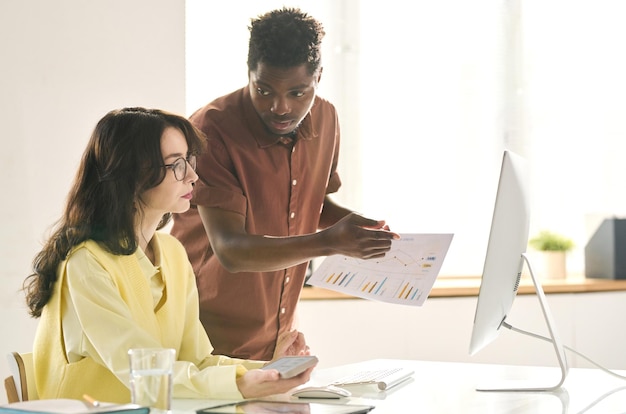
(263, 191)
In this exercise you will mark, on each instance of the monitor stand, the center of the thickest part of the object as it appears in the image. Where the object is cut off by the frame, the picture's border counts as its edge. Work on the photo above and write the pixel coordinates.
(525, 386)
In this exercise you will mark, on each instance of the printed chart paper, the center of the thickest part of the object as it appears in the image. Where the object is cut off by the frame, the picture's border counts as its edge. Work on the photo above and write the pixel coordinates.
(405, 275)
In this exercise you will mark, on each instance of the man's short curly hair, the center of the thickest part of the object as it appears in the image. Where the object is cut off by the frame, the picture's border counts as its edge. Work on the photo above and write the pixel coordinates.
(285, 38)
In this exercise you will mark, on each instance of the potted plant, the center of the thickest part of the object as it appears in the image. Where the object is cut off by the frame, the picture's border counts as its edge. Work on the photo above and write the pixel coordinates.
(553, 247)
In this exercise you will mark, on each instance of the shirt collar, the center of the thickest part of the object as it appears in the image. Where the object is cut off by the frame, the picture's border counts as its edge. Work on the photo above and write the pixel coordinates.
(147, 267)
(152, 272)
(263, 137)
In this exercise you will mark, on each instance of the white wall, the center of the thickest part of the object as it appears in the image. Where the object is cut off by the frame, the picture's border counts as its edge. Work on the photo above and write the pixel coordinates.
(64, 64)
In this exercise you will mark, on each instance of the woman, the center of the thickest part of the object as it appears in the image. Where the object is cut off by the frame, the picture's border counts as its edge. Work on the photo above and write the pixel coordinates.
(107, 280)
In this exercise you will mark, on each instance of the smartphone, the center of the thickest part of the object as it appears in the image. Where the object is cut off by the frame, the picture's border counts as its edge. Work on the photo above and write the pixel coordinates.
(290, 366)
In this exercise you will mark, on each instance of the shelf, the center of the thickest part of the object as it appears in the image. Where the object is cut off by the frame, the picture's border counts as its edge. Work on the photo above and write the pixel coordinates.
(446, 287)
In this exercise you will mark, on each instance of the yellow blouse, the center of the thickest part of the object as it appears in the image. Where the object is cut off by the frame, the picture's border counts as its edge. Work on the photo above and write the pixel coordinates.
(101, 307)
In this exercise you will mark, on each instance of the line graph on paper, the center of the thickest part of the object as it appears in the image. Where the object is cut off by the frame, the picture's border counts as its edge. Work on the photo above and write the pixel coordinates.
(405, 275)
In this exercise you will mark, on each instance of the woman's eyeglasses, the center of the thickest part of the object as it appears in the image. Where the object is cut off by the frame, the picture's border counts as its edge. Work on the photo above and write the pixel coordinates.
(180, 166)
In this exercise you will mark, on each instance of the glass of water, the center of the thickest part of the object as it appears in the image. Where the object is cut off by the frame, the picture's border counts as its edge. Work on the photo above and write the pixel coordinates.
(151, 378)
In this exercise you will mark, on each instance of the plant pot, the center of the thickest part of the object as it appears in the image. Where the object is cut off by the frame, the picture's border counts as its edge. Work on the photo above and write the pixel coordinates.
(554, 265)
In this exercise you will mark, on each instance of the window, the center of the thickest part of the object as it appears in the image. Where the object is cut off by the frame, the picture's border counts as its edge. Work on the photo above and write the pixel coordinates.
(429, 93)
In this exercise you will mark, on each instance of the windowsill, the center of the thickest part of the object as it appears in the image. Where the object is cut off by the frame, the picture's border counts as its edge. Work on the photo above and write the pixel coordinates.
(446, 287)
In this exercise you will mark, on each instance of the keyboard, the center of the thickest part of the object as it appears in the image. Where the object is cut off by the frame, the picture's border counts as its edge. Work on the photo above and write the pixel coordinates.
(383, 378)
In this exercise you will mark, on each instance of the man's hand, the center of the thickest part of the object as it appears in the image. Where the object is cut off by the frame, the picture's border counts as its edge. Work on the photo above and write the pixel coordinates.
(291, 343)
(359, 237)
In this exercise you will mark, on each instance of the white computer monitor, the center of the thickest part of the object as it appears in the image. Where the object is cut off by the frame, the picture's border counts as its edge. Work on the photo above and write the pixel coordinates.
(507, 243)
(504, 261)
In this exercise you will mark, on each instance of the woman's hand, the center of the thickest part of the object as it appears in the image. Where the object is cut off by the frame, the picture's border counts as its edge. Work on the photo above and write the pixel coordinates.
(260, 383)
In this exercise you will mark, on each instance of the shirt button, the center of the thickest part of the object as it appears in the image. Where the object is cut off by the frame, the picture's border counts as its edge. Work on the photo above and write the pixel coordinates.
(292, 215)
(294, 182)
(283, 310)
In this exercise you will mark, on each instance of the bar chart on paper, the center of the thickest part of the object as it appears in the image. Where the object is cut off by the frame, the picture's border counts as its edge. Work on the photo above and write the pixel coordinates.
(405, 275)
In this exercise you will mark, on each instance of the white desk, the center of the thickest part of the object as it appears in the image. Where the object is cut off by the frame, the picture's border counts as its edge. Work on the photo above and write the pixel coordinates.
(448, 387)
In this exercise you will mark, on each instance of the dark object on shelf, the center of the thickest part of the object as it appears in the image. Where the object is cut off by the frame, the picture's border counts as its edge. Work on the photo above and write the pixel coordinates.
(605, 252)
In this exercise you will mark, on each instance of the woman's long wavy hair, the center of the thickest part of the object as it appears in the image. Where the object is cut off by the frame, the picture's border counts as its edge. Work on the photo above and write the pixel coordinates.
(122, 160)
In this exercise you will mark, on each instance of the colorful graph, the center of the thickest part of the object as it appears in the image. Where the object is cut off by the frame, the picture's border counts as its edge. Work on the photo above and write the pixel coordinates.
(405, 275)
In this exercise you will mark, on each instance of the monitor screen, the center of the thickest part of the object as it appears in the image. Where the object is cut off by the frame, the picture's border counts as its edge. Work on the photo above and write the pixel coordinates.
(507, 243)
